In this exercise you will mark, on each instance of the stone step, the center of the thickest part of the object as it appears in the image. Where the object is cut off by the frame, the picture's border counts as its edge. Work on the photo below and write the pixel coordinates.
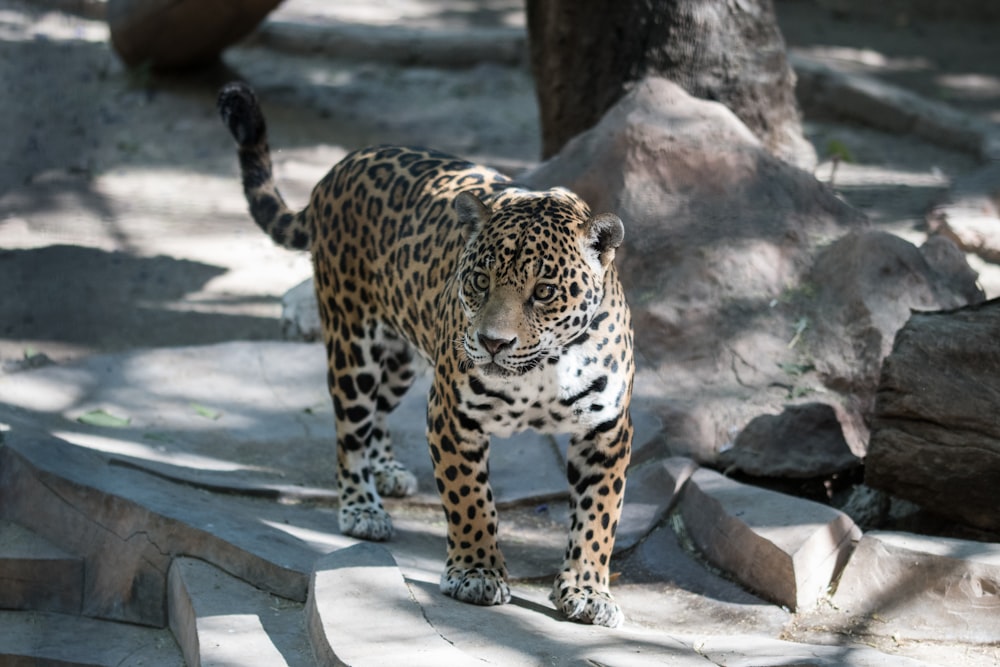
(135, 522)
(220, 620)
(60, 640)
(921, 587)
(361, 612)
(785, 549)
(36, 575)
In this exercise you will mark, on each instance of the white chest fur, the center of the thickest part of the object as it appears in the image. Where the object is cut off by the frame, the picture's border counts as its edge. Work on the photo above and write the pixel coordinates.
(570, 395)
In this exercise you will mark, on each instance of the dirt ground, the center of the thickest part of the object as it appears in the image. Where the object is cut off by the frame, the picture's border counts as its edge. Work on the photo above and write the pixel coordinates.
(122, 223)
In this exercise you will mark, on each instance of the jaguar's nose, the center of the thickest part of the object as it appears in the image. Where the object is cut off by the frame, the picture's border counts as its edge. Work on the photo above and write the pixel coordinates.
(495, 345)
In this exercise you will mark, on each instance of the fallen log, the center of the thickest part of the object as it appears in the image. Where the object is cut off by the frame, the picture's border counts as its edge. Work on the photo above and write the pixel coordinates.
(936, 424)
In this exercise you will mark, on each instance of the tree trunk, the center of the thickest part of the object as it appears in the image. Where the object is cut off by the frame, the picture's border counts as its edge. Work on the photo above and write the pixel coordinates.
(586, 54)
(936, 425)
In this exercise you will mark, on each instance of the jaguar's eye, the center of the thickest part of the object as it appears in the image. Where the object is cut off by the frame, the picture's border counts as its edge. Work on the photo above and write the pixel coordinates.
(480, 281)
(543, 292)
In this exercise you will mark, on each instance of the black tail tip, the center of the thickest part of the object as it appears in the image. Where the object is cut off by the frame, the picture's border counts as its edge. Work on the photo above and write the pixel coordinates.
(241, 113)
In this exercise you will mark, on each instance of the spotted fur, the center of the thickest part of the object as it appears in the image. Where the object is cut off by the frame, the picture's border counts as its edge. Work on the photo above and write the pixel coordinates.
(512, 296)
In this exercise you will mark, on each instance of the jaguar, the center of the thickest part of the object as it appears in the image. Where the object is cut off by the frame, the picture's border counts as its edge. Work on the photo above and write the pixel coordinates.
(511, 295)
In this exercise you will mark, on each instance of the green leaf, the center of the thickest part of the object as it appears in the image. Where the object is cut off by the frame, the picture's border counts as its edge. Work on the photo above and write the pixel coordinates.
(206, 412)
(838, 150)
(797, 369)
(102, 418)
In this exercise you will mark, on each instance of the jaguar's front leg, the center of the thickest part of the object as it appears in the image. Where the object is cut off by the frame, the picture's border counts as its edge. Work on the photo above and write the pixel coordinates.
(596, 474)
(475, 570)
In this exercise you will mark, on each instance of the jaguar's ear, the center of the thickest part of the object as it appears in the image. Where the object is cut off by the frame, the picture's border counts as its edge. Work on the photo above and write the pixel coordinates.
(472, 212)
(604, 233)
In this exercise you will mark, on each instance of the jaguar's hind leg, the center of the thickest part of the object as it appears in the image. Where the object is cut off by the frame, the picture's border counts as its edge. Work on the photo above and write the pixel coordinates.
(353, 377)
(391, 477)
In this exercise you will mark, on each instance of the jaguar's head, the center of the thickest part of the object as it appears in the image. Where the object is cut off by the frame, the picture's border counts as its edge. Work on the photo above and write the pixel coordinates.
(531, 276)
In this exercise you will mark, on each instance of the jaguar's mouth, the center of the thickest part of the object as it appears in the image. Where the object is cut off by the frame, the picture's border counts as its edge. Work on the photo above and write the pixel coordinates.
(495, 370)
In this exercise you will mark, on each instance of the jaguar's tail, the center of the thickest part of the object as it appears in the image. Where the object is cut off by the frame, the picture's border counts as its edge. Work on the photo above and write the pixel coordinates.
(241, 113)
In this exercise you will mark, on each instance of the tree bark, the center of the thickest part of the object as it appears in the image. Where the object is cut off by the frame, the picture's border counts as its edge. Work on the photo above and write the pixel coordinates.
(936, 424)
(586, 53)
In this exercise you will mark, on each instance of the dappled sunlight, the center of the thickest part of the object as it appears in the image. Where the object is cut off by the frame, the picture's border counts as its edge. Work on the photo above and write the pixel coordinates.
(414, 13)
(972, 86)
(17, 26)
(192, 414)
(859, 174)
(47, 394)
(863, 59)
(321, 541)
(154, 451)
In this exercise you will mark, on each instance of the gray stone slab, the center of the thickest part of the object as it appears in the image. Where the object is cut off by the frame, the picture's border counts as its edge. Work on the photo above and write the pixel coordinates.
(36, 574)
(786, 549)
(219, 620)
(530, 632)
(360, 612)
(249, 417)
(650, 493)
(920, 587)
(127, 525)
(59, 640)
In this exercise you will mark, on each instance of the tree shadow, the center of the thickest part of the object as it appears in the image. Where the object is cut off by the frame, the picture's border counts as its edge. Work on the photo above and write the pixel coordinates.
(70, 294)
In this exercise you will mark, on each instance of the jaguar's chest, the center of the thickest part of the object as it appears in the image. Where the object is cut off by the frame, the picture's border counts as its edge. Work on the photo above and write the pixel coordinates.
(574, 392)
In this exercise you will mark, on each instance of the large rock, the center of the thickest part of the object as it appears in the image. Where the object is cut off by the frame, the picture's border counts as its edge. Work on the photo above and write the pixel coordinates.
(863, 288)
(818, 446)
(936, 437)
(180, 33)
(743, 308)
(718, 233)
(651, 492)
(300, 314)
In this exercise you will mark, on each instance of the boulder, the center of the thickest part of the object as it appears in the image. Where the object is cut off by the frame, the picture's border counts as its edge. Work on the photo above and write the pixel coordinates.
(863, 288)
(718, 234)
(180, 33)
(36, 574)
(935, 434)
(753, 322)
(803, 441)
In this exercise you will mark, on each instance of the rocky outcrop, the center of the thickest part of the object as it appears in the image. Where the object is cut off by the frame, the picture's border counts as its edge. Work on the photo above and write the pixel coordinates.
(762, 306)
